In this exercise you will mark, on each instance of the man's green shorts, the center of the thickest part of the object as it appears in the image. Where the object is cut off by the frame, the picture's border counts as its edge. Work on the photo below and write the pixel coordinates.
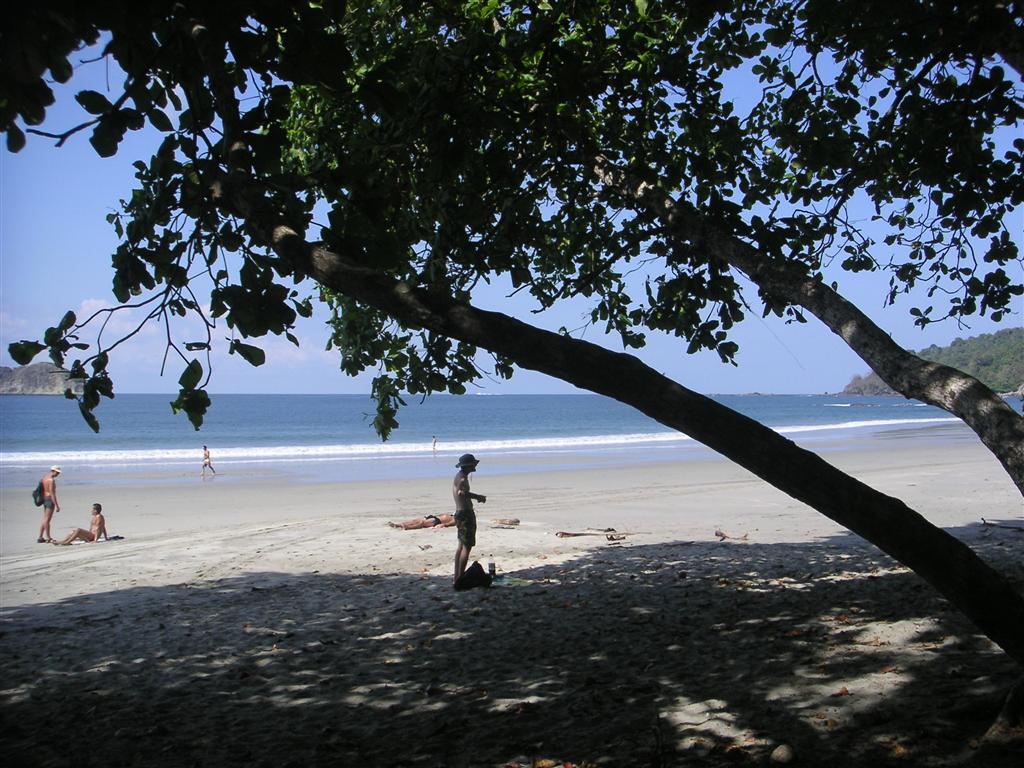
(465, 522)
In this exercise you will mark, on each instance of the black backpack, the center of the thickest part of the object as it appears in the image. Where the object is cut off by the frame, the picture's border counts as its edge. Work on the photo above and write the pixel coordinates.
(37, 494)
(474, 576)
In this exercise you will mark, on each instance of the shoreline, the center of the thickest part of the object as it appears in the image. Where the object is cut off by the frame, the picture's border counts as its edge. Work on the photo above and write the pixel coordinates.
(939, 471)
(405, 461)
(333, 433)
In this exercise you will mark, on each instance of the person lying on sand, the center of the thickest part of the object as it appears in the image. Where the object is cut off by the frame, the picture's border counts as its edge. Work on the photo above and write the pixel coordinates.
(430, 521)
(97, 528)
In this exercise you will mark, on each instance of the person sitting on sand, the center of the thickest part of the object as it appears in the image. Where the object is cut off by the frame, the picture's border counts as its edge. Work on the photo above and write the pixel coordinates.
(430, 521)
(97, 528)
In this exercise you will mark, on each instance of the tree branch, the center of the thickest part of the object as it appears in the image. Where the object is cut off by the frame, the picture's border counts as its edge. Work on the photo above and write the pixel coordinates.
(1000, 428)
(945, 562)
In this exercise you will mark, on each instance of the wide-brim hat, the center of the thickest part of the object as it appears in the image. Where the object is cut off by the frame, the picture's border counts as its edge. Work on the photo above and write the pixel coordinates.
(467, 460)
(55, 469)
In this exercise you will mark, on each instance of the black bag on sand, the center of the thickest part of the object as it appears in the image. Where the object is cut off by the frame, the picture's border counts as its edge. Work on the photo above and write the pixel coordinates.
(474, 576)
(37, 494)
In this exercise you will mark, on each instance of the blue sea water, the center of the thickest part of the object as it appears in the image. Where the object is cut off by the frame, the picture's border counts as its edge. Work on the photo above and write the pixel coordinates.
(333, 435)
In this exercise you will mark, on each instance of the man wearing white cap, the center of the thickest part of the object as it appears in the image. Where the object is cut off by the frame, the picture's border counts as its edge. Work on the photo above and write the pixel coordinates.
(50, 504)
(465, 517)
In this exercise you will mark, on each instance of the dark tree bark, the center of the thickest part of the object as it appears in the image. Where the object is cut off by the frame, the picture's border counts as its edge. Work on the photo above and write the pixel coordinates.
(995, 607)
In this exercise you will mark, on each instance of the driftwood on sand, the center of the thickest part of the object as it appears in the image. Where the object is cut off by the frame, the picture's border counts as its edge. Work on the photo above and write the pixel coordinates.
(722, 536)
(609, 533)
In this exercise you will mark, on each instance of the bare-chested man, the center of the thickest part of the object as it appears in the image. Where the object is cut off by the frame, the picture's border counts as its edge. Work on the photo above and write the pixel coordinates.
(97, 528)
(207, 462)
(465, 517)
(50, 504)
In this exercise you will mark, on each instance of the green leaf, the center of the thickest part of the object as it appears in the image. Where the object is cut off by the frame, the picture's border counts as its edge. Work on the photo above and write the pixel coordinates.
(194, 403)
(60, 68)
(89, 417)
(160, 121)
(15, 139)
(192, 376)
(22, 352)
(105, 139)
(103, 386)
(99, 364)
(93, 102)
(253, 355)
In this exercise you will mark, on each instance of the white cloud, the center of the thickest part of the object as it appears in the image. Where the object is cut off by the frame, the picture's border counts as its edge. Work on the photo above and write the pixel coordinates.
(11, 324)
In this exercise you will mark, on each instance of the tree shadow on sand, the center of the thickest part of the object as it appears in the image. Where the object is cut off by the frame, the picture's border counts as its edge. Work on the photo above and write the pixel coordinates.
(684, 653)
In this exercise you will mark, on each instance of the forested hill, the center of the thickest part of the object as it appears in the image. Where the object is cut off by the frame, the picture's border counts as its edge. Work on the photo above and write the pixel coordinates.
(996, 359)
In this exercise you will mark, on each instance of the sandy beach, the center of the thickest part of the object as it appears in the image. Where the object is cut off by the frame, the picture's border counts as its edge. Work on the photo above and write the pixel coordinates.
(249, 621)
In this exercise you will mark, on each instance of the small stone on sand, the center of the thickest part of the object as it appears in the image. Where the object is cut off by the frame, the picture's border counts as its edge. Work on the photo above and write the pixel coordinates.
(782, 755)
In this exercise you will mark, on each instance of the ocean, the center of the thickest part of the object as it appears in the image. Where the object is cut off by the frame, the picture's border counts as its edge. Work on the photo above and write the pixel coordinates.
(330, 437)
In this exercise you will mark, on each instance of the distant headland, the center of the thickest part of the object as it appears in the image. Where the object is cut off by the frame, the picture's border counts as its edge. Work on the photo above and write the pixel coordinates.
(35, 379)
(995, 359)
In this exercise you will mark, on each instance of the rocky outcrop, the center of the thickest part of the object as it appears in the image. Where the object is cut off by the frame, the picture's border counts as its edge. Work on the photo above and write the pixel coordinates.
(35, 379)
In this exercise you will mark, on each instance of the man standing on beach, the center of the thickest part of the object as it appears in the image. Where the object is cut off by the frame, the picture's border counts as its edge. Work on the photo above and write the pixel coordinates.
(50, 504)
(207, 462)
(465, 517)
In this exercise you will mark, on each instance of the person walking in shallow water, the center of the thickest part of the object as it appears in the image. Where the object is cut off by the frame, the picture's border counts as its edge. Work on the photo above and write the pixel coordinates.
(50, 504)
(465, 516)
(207, 462)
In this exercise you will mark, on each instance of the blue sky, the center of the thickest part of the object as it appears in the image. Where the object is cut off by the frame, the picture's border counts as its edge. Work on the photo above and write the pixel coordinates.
(55, 247)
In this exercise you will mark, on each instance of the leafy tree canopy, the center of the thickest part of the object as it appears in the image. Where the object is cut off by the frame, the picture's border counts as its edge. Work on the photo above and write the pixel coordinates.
(600, 151)
(454, 142)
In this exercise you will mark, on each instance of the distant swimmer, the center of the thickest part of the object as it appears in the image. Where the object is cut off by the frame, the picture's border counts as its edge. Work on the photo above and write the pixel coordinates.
(97, 528)
(433, 444)
(50, 504)
(207, 462)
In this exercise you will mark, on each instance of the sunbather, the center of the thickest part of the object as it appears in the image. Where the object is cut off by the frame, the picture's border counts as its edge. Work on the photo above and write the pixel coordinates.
(430, 521)
(97, 528)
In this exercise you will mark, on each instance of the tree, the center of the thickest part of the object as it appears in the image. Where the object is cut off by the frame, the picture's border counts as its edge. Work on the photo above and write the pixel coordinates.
(590, 153)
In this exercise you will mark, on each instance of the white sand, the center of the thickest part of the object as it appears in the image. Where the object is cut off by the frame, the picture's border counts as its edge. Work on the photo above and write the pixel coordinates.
(264, 624)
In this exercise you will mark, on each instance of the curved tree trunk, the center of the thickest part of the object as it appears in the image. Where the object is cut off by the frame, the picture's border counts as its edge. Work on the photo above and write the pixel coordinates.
(942, 560)
(1000, 428)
